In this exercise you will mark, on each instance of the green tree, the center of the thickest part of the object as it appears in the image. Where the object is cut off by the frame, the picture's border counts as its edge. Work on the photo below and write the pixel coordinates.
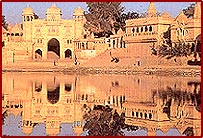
(4, 23)
(101, 17)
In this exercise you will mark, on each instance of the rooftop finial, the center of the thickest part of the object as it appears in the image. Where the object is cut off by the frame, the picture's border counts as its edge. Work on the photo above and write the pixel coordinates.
(54, 5)
(152, 12)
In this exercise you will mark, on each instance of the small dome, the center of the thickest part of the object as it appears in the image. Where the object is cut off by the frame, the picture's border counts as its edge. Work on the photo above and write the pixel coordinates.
(165, 15)
(78, 130)
(53, 9)
(79, 11)
(28, 10)
(27, 130)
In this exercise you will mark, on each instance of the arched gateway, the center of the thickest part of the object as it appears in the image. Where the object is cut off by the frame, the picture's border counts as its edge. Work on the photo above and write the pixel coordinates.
(53, 50)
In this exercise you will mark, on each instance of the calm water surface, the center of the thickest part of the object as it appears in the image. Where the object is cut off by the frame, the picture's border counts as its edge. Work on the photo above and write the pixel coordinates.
(69, 105)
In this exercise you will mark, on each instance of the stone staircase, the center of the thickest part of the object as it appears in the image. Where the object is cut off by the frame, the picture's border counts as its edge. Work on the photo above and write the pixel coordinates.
(104, 59)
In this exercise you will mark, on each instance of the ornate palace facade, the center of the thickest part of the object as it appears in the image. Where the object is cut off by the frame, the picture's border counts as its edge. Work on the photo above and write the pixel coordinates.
(57, 38)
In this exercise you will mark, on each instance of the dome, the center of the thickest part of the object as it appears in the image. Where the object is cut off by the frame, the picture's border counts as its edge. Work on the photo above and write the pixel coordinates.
(78, 130)
(52, 131)
(28, 10)
(27, 130)
(79, 11)
(165, 15)
(53, 9)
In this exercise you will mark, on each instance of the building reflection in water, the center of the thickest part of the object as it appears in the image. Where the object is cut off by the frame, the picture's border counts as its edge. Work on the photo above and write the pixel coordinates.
(152, 103)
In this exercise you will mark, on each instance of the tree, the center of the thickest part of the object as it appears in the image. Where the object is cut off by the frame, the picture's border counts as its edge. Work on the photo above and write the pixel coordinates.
(4, 23)
(121, 19)
(189, 11)
(103, 121)
(101, 17)
(170, 50)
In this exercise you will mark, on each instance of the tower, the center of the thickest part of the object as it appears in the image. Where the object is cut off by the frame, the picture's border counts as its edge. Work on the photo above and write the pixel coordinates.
(197, 11)
(79, 20)
(27, 17)
(152, 12)
(53, 13)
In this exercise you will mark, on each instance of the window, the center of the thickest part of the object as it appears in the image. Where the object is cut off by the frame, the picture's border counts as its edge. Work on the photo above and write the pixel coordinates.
(132, 114)
(133, 30)
(3, 44)
(150, 28)
(137, 29)
(146, 29)
(141, 29)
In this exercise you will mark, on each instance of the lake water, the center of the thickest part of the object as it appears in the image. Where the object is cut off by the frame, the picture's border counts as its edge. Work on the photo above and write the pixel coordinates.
(68, 105)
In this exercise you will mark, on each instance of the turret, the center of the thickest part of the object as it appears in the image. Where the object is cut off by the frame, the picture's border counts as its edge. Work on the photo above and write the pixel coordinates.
(79, 14)
(152, 12)
(80, 20)
(53, 13)
(28, 14)
(197, 11)
(78, 128)
(27, 17)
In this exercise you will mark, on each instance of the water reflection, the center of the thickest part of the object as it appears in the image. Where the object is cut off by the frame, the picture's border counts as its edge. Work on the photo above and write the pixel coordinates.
(101, 104)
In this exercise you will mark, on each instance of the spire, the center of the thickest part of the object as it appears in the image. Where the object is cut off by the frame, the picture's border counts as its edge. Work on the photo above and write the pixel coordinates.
(197, 11)
(152, 12)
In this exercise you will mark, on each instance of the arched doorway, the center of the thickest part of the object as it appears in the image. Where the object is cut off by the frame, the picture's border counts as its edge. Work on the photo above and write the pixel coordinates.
(68, 53)
(38, 54)
(53, 93)
(53, 49)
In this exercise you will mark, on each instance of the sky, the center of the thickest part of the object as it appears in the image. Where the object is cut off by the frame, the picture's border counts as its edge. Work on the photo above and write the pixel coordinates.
(13, 10)
(13, 127)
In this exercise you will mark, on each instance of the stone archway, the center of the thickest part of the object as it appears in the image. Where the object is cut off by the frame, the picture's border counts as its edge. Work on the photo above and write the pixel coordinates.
(53, 93)
(53, 51)
(68, 54)
(38, 54)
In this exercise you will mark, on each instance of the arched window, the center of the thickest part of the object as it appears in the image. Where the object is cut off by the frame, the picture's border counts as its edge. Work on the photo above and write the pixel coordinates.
(68, 87)
(150, 116)
(83, 46)
(38, 86)
(28, 18)
(141, 115)
(137, 29)
(137, 114)
(141, 29)
(146, 28)
(133, 30)
(145, 115)
(150, 28)
(132, 114)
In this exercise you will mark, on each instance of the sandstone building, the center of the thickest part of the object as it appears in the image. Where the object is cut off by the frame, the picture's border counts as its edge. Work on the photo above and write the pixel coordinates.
(56, 38)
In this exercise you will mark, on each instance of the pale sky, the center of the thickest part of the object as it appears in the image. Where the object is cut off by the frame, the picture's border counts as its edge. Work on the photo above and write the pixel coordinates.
(13, 10)
(13, 127)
